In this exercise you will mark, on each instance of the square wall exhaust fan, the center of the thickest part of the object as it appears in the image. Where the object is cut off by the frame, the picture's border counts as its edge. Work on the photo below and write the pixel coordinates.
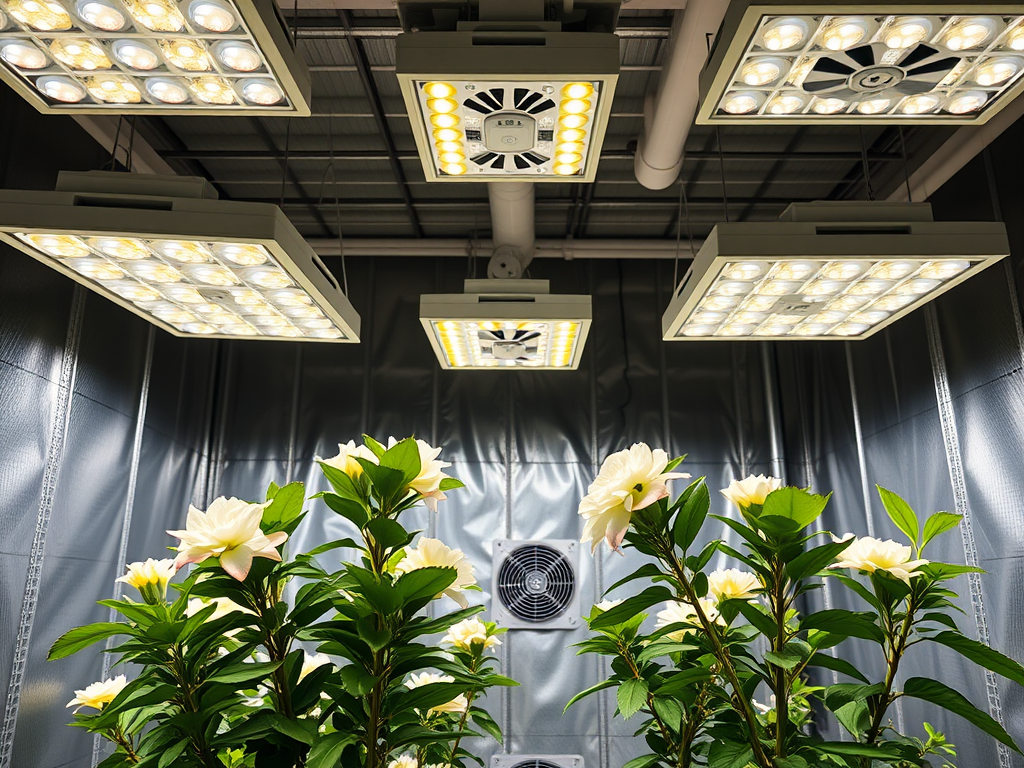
(826, 271)
(164, 248)
(536, 585)
(808, 61)
(152, 57)
(508, 105)
(502, 324)
(537, 761)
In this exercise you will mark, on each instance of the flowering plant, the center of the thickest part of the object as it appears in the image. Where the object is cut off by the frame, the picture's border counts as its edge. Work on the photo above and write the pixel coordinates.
(224, 678)
(726, 636)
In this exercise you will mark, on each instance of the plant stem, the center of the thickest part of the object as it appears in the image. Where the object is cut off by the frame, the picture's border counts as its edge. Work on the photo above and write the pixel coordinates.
(897, 647)
(740, 702)
(118, 737)
(376, 753)
(470, 695)
(781, 682)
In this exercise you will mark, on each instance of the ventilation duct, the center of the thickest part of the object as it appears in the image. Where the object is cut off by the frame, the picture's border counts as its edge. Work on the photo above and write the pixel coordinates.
(535, 584)
(537, 761)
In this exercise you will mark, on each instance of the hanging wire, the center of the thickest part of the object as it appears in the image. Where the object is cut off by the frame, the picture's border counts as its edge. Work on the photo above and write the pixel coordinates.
(721, 170)
(337, 203)
(284, 169)
(679, 232)
(864, 164)
(113, 149)
(906, 168)
(129, 161)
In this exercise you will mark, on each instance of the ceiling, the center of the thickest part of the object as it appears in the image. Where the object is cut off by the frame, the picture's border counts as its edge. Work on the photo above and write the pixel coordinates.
(359, 115)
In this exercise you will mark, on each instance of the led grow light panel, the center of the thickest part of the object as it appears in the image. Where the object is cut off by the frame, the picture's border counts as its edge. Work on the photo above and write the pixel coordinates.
(468, 344)
(522, 129)
(897, 63)
(194, 266)
(151, 57)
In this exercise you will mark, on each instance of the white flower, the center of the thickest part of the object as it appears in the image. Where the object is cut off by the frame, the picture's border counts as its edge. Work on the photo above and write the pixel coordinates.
(604, 605)
(309, 663)
(629, 480)
(404, 761)
(346, 458)
(150, 578)
(230, 530)
(257, 700)
(98, 695)
(224, 605)
(431, 553)
(870, 555)
(732, 584)
(683, 613)
(428, 482)
(458, 704)
(753, 490)
(467, 632)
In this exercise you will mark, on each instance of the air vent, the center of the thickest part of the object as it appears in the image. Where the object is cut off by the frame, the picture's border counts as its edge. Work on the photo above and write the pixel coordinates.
(537, 761)
(536, 584)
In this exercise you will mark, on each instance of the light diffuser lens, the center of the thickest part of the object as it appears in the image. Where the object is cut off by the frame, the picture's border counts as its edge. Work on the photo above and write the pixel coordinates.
(102, 15)
(216, 17)
(784, 34)
(23, 55)
(844, 33)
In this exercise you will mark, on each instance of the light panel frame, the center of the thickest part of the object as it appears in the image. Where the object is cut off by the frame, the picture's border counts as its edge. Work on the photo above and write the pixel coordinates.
(260, 25)
(835, 239)
(745, 18)
(517, 301)
(482, 59)
(152, 211)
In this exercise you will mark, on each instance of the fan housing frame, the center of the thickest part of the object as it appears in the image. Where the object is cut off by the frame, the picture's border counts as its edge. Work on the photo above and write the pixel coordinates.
(569, 618)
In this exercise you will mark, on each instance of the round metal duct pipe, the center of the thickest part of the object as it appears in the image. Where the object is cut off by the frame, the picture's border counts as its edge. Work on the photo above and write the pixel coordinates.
(512, 228)
(669, 114)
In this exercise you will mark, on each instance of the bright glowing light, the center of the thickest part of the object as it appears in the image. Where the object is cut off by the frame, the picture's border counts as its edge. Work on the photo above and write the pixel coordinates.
(447, 134)
(969, 33)
(844, 33)
(698, 330)
(63, 246)
(731, 288)
(917, 286)
(454, 169)
(136, 55)
(268, 277)
(288, 298)
(186, 294)
(848, 303)
(794, 270)
(134, 291)
(943, 270)
(1015, 39)
(442, 106)
(997, 71)
(785, 104)
(96, 269)
(240, 57)
(741, 103)
(747, 270)
(907, 31)
(810, 329)
(871, 316)
(735, 329)
(568, 158)
(263, 92)
(828, 106)
(573, 121)
(167, 90)
(156, 15)
(572, 134)
(101, 15)
(120, 248)
(784, 34)
(971, 101)
(212, 90)
(187, 54)
(869, 287)
(154, 272)
(444, 120)
(439, 90)
(23, 55)
(212, 274)
(719, 302)
(60, 88)
(181, 250)
(916, 105)
(850, 329)
(892, 270)
(113, 89)
(873, 106)
(761, 71)
(577, 91)
(823, 288)
(575, 106)
(216, 17)
(43, 16)
(79, 54)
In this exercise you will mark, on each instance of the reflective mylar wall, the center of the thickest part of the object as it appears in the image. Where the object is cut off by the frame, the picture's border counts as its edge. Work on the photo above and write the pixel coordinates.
(108, 430)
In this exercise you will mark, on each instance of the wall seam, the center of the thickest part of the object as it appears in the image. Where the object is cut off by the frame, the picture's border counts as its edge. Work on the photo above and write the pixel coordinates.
(293, 424)
(603, 697)
(858, 432)
(98, 741)
(30, 598)
(958, 479)
(506, 662)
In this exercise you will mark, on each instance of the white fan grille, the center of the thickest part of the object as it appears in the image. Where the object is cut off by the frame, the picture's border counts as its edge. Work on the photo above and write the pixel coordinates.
(536, 583)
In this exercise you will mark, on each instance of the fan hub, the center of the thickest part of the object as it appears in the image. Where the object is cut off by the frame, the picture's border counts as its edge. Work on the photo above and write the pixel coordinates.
(509, 132)
(536, 583)
(508, 350)
(874, 79)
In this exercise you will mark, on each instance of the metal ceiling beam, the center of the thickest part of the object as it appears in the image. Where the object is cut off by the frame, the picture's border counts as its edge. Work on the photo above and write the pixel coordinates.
(377, 107)
(391, 68)
(322, 28)
(391, 5)
(363, 203)
(755, 156)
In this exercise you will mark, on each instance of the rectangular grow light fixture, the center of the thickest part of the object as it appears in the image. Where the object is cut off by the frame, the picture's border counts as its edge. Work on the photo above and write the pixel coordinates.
(502, 324)
(164, 248)
(826, 271)
(152, 57)
(508, 106)
(807, 61)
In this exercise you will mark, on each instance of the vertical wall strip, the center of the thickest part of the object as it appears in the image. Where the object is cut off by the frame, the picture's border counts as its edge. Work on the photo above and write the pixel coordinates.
(741, 424)
(54, 455)
(858, 432)
(777, 459)
(603, 697)
(202, 489)
(293, 425)
(220, 422)
(951, 441)
(367, 341)
(129, 506)
(1011, 281)
(506, 661)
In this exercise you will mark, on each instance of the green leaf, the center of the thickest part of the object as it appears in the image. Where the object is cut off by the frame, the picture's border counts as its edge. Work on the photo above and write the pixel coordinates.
(946, 571)
(981, 654)
(357, 681)
(844, 623)
(855, 717)
(291, 728)
(374, 637)
(450, 484)
(793, 761)
(82, 637)
(610, 683)
(169, 754)
(285, 508)
(426, 696)
(351, 510)
(729, 754)
(337, 544)
(386, 482)
(403, 456)
(881, 751)
(326, 752)
(784, 659)
(646, 571)
(630, 607)
(244, 672)
(342, 484)
(937, 524)
(645, 761)
(486, 722)
(943, 696)
(840, 695)
(683, 680)
(756, 616)
(814, 560)
(386, 532)
(692, 514)
(424, 583)
(632, 696)
(901, 514)
(794, 504)
(836, 664)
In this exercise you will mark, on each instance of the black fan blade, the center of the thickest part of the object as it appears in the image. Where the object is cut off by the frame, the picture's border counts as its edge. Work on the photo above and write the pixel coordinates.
(529, 101)
(477, 106)
(488, 98)
(939, 67)
(485, 158)
(518, 95)
(535, 158)
(815, 85)
(520, 163)
(916, 54)
(864, 55)
(542, 107)
(499, 164)
(831, 66)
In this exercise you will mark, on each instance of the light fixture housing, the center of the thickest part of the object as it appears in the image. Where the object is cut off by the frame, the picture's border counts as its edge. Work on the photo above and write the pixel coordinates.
(177, 48)
(828, 270)
(513, 105)
(166, 249)
(503, 324)
(894, 63)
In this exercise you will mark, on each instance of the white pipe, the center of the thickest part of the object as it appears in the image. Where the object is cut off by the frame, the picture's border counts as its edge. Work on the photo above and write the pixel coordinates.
(668, 116)
(512, 221)
(567, 249)
(962, 147)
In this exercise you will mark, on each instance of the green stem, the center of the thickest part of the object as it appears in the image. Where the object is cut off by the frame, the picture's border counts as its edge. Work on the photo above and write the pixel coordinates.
(897, 646)
(118, 737)
(781, 682)
(740, 702)
(199, 745)
(470, 695)
(376, 751)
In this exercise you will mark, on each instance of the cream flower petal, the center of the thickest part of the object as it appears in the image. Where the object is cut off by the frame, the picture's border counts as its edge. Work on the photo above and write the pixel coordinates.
(237, 561)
